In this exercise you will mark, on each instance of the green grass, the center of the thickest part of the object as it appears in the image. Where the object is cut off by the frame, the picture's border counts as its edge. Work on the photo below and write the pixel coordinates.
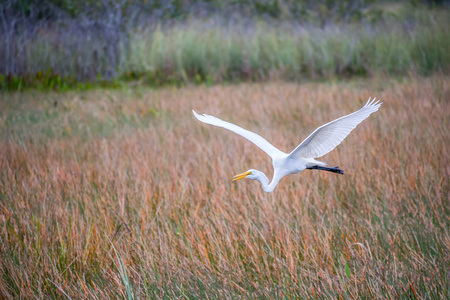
(411, 40)
(214, 54)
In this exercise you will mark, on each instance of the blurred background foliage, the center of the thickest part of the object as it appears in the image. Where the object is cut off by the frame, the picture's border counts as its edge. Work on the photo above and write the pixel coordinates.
(57, 44)
(305, 10)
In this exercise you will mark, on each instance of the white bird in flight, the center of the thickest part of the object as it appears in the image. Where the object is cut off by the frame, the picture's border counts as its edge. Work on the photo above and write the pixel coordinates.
(320, 142)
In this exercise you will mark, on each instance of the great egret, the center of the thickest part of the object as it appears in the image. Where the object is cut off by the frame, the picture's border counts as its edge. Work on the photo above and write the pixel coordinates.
(320, 142)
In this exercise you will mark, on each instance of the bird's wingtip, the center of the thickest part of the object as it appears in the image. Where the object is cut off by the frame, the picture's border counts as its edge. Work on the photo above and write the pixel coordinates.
(373, 102)
(196, 114)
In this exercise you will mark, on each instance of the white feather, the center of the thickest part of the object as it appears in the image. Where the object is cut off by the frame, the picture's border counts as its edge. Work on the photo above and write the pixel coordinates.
(256, 139)
(328, 136)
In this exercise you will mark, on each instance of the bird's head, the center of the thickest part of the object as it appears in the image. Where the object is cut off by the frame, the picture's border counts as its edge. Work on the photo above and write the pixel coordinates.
(259, 176)
(252, 174)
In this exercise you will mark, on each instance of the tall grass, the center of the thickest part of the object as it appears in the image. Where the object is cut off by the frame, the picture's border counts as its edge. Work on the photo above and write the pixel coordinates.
(414, 42)
(215, 54)
(108, 194)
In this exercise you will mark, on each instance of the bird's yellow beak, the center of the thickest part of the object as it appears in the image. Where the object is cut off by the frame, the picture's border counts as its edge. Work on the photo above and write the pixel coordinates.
(240, 176)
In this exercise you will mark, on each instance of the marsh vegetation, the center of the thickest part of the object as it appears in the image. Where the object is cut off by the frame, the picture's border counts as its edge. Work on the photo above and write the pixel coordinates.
(122, 193)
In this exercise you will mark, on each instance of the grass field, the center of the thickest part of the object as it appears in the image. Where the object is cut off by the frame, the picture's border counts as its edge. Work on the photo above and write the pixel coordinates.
(122, 193)
(406, 40)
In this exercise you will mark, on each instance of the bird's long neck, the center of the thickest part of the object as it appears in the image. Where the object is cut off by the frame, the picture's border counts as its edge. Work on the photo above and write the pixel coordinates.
(268, 188)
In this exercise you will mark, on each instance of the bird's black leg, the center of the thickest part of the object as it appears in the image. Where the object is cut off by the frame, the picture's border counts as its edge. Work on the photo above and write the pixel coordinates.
(334, 170)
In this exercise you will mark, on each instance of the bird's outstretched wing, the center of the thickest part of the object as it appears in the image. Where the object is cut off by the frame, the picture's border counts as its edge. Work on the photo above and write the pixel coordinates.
(328, 136)
(251, 136)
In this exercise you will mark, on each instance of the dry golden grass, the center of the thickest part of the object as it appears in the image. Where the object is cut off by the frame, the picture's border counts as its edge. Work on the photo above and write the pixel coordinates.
(124, 194)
